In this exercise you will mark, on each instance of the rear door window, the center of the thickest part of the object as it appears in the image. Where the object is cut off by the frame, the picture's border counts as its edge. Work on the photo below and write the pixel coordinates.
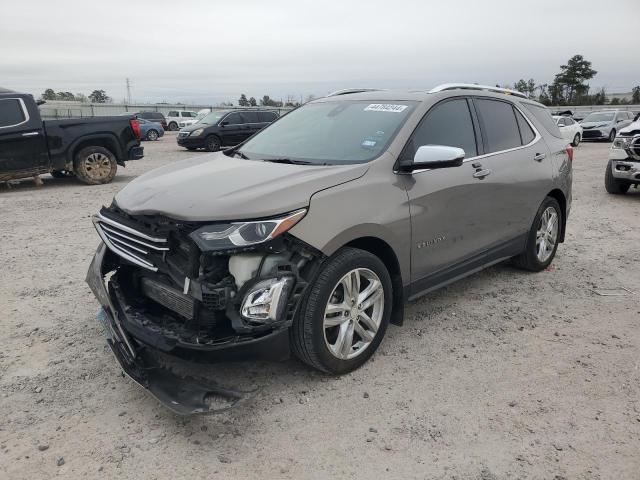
(266, 116)
(250, 117)
(11, 113)
(544, 117)
(499, 124)
(448, 123)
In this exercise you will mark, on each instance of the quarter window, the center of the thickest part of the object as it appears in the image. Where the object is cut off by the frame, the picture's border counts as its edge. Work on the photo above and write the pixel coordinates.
(11, 112)
(448, 124)
(499, 124)
(544, 117)
(525, 129)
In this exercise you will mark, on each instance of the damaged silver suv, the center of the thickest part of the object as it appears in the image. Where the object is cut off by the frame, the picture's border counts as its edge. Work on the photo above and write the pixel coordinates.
(310, 236)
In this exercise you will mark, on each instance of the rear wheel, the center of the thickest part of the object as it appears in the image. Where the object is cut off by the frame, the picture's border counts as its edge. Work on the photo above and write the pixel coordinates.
(152, 135)
(542, 240)
(95, 165)
(576, 140)
(612, 184)
(212, 143)
(345, 313)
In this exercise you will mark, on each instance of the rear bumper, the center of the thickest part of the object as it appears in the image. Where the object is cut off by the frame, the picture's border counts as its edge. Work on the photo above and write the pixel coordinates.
(136, 153)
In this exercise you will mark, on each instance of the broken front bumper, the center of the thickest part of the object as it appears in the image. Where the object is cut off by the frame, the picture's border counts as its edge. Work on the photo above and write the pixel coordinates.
(135, 349)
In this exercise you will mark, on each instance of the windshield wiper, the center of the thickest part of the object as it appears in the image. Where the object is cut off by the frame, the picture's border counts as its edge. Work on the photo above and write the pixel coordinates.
(242, 155)
(290, 161)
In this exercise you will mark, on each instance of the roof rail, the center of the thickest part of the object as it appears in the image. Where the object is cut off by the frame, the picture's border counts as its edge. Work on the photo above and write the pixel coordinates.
(473, 86)
(346, 91)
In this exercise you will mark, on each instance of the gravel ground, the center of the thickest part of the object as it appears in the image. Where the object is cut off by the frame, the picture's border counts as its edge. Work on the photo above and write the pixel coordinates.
(502, 375)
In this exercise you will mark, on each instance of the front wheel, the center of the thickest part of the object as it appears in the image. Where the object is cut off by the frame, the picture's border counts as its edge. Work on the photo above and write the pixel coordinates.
(212, 143)
(173, 126)
(614, 185)
(612, 135)
(543, 237)
(576, 140)
(345, 313)
(95, 165)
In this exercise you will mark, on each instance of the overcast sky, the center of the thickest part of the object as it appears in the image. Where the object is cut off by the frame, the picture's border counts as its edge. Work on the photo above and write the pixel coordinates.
(207, 51)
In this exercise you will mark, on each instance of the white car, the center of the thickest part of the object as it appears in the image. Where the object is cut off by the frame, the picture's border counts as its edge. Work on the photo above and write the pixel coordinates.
(176, 119)
(570, 129)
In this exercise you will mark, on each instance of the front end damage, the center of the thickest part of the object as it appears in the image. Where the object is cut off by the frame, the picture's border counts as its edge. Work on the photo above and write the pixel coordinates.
(165, 294)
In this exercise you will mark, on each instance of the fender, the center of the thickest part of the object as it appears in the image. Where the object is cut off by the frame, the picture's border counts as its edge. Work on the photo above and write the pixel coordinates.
(111, 139)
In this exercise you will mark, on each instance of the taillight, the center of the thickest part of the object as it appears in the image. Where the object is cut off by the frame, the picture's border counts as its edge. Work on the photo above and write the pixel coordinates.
(570, 153)
(135, 124)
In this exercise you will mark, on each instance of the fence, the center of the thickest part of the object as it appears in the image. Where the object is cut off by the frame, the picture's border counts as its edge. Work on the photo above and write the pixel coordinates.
(61, 109)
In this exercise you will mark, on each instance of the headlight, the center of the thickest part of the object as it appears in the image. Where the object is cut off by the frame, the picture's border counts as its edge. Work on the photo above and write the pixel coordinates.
(222, 236)
(622, 143)
(197, 132)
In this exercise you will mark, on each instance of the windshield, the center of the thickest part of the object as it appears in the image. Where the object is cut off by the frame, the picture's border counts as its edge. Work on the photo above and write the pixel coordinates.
(598, 117)
(331, 132)
(212, 118)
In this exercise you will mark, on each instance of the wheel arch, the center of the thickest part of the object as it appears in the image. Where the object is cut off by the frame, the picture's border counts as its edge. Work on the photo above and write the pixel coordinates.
(384, 252)
(106, 141)
(562, 200)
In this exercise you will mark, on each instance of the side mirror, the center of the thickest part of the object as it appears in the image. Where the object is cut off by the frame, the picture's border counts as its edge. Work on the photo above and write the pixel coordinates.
(434, 156)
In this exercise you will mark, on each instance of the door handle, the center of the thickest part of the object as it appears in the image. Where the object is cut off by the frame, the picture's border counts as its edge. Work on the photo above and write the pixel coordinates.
(538, 157)
(30, 134)
(482, 173)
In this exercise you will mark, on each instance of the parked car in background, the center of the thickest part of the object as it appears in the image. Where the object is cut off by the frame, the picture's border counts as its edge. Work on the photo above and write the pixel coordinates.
(177, 119)
(223, 128)
(310, 236)
(604, 125)
(623, 168)
(570, 129)
(150, 130)
(153, 117)
(89, 148)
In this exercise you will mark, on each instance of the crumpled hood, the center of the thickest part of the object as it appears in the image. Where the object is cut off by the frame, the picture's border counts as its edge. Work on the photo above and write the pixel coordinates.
(635, 126)
(214, 187)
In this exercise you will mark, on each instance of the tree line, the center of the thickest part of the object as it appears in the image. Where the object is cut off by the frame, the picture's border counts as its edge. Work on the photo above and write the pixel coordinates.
(97, 96)
(570, 87)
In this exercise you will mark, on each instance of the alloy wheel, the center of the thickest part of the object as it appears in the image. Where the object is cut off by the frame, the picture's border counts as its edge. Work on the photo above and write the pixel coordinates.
(97, 166)
(353, 313)
(547, 234)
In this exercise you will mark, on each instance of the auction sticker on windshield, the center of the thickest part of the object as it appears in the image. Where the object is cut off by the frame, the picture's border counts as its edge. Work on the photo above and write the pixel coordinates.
(385, 107)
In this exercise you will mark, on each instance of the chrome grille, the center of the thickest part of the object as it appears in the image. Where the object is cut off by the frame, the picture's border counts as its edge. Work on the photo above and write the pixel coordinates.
(634, 148)
(128, 242)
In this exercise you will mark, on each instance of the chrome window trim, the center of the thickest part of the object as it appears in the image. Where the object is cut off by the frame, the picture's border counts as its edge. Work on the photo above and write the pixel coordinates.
(535, 140)
(24, 111)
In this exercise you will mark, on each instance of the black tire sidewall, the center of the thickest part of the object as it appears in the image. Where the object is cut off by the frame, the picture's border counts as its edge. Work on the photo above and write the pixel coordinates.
(612, 184)
(612, 135)
(576, 140)
(318, 296)
(173, 126)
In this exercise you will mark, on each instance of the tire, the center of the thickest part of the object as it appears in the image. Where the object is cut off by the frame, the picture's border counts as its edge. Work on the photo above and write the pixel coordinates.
(62, 174)
(173, 126)
(317, 344)
(212, 143)
(152, 135)
(576, 140)
(614, 185)
(95, 165)
(612, 135)
(531, 258)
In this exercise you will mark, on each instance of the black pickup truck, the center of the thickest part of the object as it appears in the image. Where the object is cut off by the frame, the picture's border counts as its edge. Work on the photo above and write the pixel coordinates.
(89, 148)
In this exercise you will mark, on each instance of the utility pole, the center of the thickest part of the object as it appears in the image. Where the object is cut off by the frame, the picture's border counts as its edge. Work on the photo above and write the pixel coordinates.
(128, 91)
